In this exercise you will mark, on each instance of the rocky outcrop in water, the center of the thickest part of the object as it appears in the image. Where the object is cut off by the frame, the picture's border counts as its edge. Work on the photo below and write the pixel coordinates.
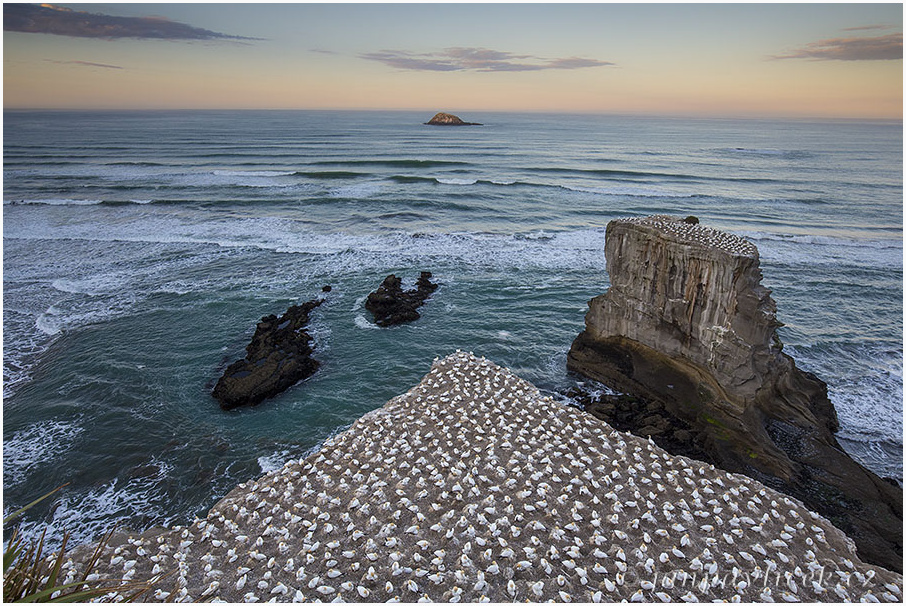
(279, 356)
(687, 323)
(390, 305)
(444, 119)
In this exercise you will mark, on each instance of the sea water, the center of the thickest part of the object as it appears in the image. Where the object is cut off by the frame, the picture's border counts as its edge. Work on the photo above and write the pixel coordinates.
(141, 248)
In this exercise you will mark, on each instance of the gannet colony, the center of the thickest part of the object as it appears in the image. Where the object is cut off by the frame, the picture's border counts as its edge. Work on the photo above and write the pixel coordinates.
(697, 233)
(475, 487)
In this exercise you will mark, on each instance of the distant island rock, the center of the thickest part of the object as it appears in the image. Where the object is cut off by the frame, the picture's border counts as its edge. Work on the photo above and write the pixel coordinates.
(279, 356)
(390, 305)
(688, 328)
(443, 119)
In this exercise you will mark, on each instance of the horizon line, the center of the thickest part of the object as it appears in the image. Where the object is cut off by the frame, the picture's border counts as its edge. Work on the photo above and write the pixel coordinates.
(574, 112)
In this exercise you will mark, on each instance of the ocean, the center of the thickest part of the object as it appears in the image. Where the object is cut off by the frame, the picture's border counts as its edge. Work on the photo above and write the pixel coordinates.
(141, 248)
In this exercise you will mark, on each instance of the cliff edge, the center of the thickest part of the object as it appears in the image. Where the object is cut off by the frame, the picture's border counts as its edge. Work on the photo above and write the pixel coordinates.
(686, 322)
(473, 486)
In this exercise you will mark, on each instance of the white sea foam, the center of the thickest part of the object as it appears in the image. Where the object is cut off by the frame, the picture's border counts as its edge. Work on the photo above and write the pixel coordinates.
(98, 285)
(50, 322)
(455, 181)
(37, 444)
(572, 249)
(89, 514)
(237, 178)
(252, 173)
(823, 240)
(818, 250)
(273, 461)
(362, 322)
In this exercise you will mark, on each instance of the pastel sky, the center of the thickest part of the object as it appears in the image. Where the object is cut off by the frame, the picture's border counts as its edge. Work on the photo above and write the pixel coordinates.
(795, 60)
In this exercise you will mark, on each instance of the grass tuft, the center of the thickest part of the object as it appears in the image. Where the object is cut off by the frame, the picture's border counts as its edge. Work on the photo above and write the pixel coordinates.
(30, 576)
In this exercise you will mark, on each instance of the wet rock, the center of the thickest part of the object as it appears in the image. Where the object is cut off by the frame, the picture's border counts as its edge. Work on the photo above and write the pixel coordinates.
(279, 356)
(682, 435)
(390, 305)
(686, 322)
(634, 414)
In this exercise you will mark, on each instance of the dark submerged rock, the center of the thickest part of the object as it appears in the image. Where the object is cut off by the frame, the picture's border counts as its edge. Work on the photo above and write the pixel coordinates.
(278, 357)
(444, 119)
(687, 323)
(390, 305)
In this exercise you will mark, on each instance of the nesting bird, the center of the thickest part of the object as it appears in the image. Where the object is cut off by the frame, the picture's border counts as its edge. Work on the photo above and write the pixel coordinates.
(697, 233)
(475, 487)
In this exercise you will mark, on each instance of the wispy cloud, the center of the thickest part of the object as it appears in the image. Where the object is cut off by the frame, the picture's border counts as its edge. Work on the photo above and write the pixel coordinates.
(879, 48)
(476, 59)
(50, 19)
(85, 64)
(866, 27)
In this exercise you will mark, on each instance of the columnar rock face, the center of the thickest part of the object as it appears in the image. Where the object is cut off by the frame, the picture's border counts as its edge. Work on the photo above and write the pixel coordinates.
(475, 487)
(687, 322)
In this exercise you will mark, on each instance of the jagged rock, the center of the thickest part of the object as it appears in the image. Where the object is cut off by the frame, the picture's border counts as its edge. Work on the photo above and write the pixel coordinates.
(278, 357)
(687, 322)
(444, 119)
(390, 305)
(634, 414)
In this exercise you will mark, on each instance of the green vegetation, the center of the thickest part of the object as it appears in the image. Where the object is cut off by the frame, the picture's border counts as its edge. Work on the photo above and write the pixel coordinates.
(30, 576)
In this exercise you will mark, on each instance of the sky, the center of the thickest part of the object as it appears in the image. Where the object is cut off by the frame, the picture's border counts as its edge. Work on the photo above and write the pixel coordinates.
(726, 60)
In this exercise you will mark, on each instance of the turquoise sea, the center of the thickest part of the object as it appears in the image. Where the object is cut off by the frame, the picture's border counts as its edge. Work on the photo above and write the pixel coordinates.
(140, 249)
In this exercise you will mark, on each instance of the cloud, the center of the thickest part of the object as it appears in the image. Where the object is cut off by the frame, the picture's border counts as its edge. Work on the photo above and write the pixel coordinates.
(865, 27)
(476, 59)
(85, 63)
(49, 19)
(879, 48)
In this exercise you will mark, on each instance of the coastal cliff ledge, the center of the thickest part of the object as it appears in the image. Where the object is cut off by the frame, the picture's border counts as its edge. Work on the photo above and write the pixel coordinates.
(473, 486)
(687, 323)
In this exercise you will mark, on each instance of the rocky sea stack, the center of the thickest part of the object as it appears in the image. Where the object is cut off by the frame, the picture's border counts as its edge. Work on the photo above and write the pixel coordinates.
(279, 356)
(444, 119)
(686, 323)
(391, 305)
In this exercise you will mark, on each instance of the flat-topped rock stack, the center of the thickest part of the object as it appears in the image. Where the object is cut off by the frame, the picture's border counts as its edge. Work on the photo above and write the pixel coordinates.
(687, 323)
(473, 486)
